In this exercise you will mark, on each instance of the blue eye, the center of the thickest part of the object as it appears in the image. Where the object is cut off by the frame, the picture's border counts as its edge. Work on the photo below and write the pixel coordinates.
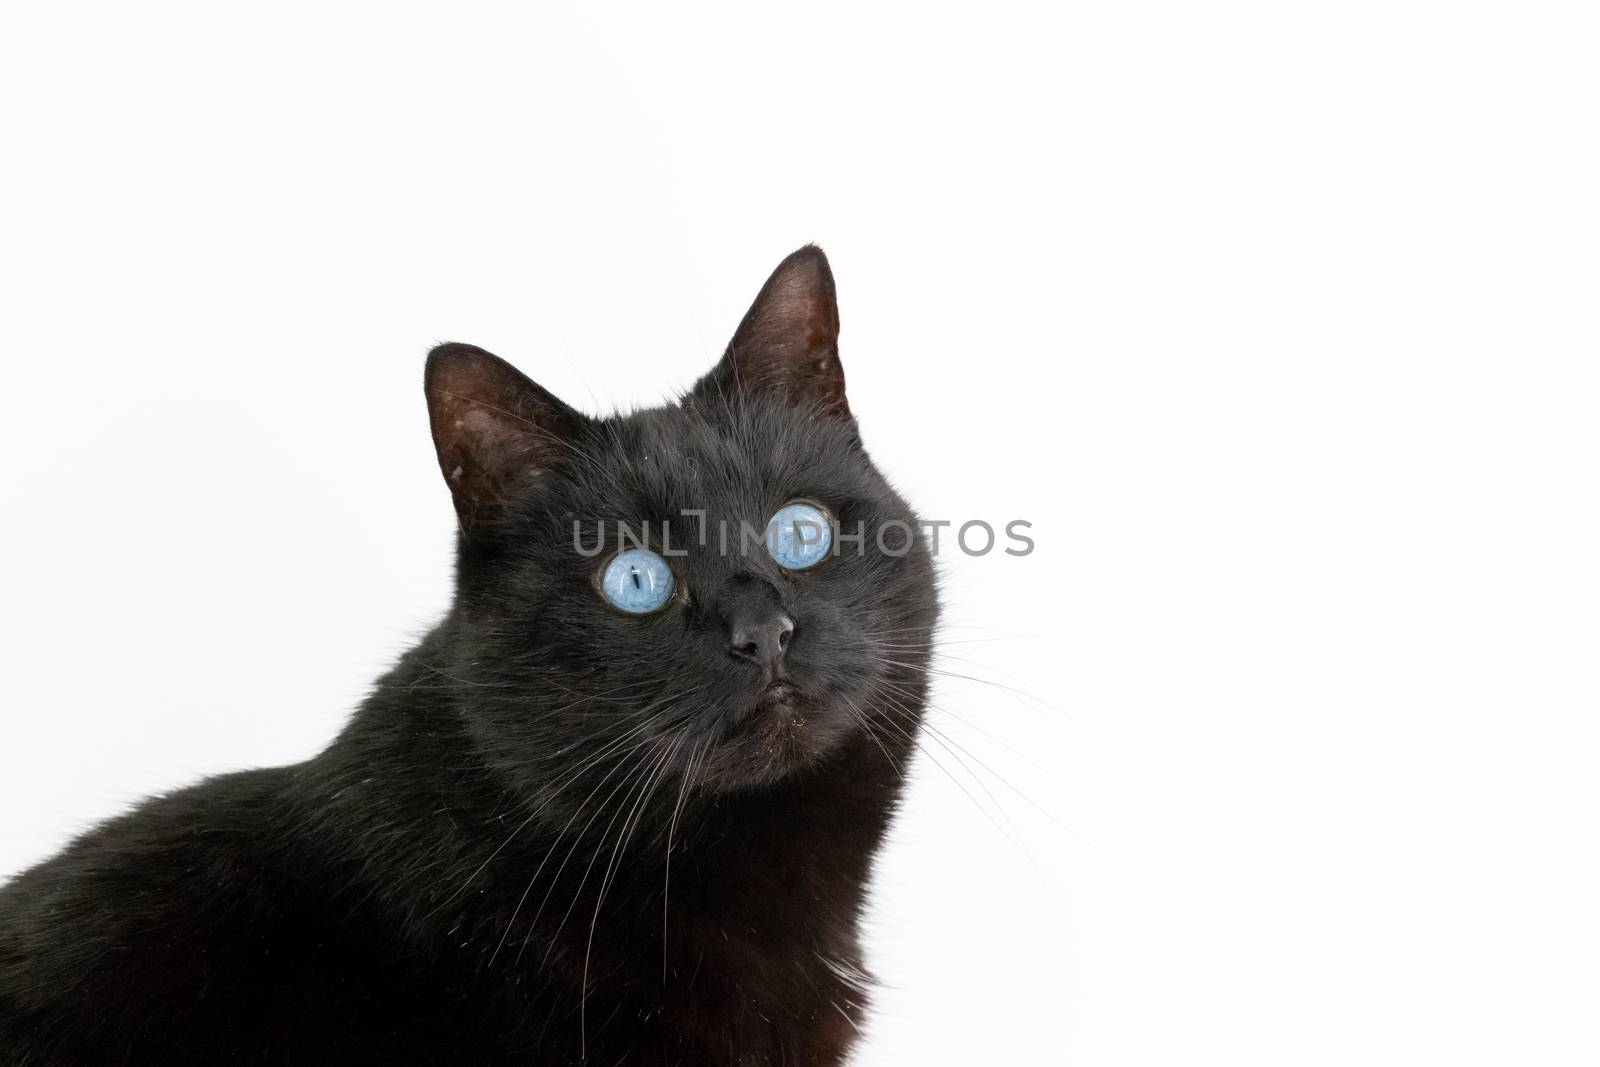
(799, 536)
(636, 581)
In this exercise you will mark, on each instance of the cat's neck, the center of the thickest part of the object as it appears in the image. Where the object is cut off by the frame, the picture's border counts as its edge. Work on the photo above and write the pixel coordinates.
(429, 830)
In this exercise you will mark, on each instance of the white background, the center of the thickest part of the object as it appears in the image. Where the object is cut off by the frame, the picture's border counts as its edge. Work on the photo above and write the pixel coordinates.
(1278, 323)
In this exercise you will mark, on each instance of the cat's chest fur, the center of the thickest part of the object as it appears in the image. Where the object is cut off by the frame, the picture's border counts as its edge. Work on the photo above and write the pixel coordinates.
(254, 947)
(742, 949)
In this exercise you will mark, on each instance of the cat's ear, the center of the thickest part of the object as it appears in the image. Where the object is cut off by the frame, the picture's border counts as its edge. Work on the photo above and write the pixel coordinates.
(495, 430)
(787, 347)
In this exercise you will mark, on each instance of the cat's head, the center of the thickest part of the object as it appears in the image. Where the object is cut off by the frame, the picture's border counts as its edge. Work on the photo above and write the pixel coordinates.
(713, 642)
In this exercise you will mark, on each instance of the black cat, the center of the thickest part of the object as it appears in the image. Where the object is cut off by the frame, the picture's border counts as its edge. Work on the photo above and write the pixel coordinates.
(619, 807)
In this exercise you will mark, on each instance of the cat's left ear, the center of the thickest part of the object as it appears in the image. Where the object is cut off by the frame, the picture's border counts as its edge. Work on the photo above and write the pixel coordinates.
(495, 430)
(787, 346)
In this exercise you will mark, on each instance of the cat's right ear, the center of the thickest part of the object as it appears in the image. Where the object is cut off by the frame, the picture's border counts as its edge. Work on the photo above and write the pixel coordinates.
(787, 346)
(495, 431)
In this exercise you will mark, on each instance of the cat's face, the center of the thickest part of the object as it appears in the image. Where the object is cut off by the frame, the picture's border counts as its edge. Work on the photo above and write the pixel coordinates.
(739, 668)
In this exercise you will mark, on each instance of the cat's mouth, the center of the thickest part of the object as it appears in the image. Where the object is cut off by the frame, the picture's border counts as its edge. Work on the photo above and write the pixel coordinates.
(780, 729)
(776, 703)
(780, 694)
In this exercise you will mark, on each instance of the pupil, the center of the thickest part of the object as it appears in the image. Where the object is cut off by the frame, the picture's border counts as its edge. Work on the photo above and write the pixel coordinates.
(637, 584)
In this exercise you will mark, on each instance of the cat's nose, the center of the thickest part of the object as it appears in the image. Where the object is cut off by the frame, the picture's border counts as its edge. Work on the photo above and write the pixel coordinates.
(762, 639)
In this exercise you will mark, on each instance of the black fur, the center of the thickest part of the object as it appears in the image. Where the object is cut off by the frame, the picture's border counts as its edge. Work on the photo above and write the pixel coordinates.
(553, 834)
